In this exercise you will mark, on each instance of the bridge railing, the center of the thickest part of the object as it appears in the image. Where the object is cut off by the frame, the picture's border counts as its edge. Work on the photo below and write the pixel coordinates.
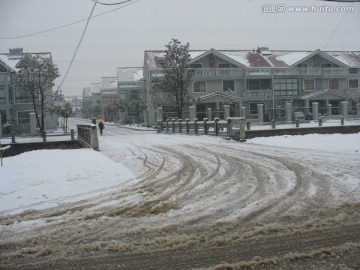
(217, 127)
(87, 136)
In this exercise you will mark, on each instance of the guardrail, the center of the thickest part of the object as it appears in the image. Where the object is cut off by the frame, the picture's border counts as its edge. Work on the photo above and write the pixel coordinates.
(87, 136)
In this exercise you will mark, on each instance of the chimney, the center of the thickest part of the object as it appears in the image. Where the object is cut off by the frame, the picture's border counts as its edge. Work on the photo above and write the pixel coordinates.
(264, 50)
(15, 53)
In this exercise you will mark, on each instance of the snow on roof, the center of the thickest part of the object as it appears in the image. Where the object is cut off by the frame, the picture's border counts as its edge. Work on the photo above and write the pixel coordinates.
(348, 58)
(238, 56)
(289, 58)
(108, 82)
(251, 58)
(11, 62)
(125, 74)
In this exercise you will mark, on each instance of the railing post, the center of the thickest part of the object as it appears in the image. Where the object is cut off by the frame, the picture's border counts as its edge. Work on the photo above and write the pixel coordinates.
(242, 132)
(13, 137)
(158, 126)
(205, 126)
(195, 126)
(216, 126)
(180, 125)
(167, 125)
(43, 134)
(248, 125)
(94, 142)
(229, 127)
(297, 123)
(273, 123)
(173, 125)
(187, 126)
(320, 121)
(72, 134)
(344, 109)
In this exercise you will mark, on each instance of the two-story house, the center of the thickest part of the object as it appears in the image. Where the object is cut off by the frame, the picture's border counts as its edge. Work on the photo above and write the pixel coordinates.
(14, 108)
(245, 78)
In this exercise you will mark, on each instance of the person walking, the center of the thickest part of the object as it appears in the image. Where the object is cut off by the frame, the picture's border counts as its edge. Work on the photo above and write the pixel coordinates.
(101, 127)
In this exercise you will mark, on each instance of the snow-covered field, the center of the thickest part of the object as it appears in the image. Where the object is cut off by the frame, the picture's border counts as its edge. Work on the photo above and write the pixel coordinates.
(147, 192)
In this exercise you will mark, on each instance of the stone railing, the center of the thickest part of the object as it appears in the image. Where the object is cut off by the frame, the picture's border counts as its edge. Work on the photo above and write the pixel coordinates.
(234, 127)
(87, 136)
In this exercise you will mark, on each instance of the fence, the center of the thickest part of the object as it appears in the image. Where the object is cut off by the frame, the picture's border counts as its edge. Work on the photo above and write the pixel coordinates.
(87, 136)
(232, 127)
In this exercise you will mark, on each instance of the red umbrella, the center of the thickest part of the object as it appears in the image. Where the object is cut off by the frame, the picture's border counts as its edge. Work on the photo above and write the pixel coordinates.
(100, 120)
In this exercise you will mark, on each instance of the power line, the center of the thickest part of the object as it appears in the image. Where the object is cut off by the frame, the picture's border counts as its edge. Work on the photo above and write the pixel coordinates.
(69, 24)
(112, 4)
(77, 47)
(336, 28)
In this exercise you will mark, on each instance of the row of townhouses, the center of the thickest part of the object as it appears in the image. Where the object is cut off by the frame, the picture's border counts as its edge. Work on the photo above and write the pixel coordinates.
(237, 78)
(243, 78)
(15, 109)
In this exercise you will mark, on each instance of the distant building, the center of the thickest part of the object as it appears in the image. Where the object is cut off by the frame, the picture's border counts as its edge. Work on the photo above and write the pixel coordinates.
(14, 109)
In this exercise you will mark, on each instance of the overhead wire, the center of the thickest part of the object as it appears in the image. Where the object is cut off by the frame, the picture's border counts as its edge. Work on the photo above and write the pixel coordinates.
(77, 47)
(69, 24)
(112, 4)
(336, 28)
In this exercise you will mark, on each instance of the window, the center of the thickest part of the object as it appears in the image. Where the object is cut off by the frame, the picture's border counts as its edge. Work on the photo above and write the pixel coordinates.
(333, 84)
(261, 84)
(229, 85)
(199, 87)
(353, 83)
(326, 65)
(224, 65)
(21, 96)
(353, 71)
(309, 85)
(197, 65)
(2, 93)
(286, 87)
(24, 117)
(303, 65)
(253, 108)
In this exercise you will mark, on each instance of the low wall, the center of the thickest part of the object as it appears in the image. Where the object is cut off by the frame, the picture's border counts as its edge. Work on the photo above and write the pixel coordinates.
(19, 148)
(302, 131)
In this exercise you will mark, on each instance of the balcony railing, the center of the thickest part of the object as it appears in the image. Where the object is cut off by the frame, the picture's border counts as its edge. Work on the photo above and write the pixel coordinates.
(255, 93)
(211, 72)
(219, 72)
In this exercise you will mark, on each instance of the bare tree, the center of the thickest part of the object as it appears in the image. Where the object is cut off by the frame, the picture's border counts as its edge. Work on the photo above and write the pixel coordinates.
(35, 80)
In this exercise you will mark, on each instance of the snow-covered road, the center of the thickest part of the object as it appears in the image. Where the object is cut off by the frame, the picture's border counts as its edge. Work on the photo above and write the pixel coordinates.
(193, 192)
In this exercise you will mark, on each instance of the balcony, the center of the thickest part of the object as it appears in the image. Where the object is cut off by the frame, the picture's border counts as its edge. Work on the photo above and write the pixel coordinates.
(210, 72)
(255, 93)
(265, 71)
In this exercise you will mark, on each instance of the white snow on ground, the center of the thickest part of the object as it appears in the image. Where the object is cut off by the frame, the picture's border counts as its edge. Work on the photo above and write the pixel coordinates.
(47, 178)
(341, 143)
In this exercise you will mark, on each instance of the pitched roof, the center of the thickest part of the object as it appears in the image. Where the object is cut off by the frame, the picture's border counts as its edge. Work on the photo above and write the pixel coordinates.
(254, 58)
(317, 94)
(11, 62)
(220, 94)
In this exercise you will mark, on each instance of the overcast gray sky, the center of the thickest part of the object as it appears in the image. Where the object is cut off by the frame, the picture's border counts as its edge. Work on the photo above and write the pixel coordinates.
(120, 37)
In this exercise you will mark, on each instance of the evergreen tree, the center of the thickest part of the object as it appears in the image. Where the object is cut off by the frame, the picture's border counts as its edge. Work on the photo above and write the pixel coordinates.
(35, 80)
(172, 89)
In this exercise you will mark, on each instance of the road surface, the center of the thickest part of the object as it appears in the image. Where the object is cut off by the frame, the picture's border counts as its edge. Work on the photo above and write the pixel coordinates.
(200, 203)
